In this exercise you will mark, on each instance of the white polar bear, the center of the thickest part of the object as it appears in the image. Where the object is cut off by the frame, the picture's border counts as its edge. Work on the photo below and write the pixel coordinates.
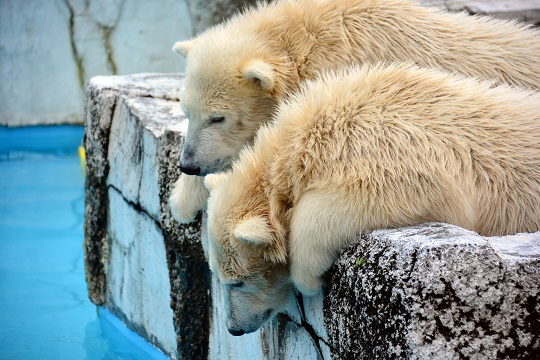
(238, 72)
(374, 147)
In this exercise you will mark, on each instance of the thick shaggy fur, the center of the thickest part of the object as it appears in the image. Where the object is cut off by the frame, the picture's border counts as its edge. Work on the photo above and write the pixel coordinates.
(240, 70)
(375, 147)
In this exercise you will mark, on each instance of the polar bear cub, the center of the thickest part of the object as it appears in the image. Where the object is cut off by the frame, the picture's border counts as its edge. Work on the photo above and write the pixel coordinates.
(237, 72)
(368, 148)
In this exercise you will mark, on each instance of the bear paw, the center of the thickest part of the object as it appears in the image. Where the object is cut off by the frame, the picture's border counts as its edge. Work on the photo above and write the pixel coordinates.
(188, 197)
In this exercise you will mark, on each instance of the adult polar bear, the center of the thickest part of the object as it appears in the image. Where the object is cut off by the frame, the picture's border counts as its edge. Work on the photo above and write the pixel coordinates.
(353, 152)
(238, 72)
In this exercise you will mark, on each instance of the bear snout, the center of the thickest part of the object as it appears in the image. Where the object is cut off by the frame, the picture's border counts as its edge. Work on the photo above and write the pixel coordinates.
(253, 324)
(238, 332)
(188, 165)
(190, 169)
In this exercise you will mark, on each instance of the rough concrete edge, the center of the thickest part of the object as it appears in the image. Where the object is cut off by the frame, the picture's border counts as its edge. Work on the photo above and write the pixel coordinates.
(185, 257)
(102, 94)
(163, 143)
(399, 345)
(95, 216)
(110, 305)
(189, 274)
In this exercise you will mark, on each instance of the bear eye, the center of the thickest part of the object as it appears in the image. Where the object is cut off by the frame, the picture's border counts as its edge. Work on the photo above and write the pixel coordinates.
(217, 119)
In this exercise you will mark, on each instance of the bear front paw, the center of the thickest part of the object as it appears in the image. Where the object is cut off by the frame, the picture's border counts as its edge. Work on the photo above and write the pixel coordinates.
(187, 198)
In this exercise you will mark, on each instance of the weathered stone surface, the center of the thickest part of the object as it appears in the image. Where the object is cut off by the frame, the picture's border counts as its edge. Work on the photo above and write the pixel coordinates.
(188, 271)
(133, 146)
(101, 100)
(138, 290)
(435, 291)
(133, 136)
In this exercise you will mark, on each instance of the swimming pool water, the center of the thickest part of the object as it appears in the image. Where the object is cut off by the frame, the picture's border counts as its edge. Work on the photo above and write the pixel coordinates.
(44, 309)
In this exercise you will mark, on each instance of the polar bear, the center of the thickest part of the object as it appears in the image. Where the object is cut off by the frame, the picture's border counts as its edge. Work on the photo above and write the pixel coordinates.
(373, 147)
(238, 72)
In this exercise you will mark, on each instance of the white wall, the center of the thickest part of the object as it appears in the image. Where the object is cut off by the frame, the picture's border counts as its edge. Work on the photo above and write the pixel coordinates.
(49, 49)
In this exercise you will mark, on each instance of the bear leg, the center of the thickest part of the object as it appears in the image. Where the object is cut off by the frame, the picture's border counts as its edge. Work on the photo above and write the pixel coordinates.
(321, 226)
(188, 197)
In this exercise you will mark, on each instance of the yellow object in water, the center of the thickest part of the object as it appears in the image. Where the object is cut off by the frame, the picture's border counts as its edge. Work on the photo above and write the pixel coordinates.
(82, 156)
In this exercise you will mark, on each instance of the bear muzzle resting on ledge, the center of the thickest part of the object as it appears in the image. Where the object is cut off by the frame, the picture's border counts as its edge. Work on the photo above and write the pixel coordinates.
(237, 72)
(368, 148)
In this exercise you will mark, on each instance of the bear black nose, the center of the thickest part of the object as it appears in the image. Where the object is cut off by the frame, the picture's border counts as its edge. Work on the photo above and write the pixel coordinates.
(190, 170)
(236, 332)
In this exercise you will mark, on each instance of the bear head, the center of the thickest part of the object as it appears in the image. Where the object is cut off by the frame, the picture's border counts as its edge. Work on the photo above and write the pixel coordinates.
(245, 254)
(232, 87)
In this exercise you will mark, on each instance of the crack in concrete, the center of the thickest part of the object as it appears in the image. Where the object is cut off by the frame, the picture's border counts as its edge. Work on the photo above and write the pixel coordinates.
(107, 31)
(309, 328)
(136, 206)
(79, 62)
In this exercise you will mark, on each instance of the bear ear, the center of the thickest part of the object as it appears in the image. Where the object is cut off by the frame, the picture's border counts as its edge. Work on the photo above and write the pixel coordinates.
(254, 230)
(211, 181)
(183, 47)
(260, 71)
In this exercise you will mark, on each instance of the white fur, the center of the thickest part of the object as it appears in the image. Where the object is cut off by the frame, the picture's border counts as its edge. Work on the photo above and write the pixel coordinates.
(262, 72)
(182, 48)
(321, 226)
(187, 198)
(254, 230)
(211, 181)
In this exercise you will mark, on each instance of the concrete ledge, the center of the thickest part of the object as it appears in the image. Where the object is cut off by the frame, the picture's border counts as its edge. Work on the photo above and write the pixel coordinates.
(436, 291)
(432, 291)
(102, 96)
(147, 270)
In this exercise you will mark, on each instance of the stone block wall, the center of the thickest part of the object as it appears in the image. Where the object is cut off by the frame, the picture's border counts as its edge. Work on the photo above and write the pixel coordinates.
(431, 291)
(148, 271)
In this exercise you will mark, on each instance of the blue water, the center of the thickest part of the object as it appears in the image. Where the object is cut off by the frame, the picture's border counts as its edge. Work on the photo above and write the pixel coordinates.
(44, 309)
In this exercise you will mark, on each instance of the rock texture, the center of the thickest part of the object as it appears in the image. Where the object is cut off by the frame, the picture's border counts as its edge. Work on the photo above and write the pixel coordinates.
(146, 269)
(435, 292)
(102, 97)
(138, 281)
